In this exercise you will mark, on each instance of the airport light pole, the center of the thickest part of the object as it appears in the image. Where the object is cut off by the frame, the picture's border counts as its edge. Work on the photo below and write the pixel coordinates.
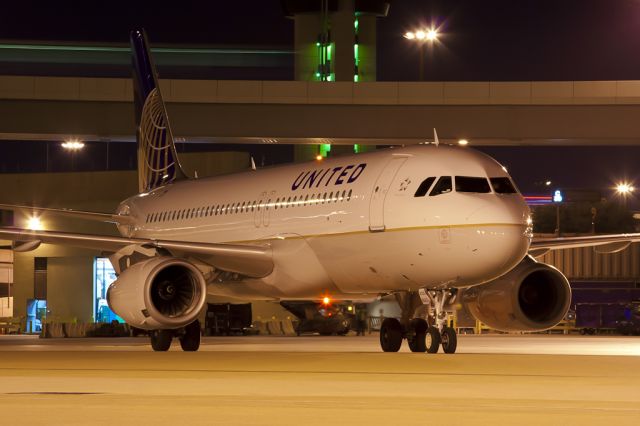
(422, 37)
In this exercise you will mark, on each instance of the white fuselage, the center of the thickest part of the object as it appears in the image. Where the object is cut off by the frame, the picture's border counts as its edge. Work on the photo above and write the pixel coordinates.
(348, 226)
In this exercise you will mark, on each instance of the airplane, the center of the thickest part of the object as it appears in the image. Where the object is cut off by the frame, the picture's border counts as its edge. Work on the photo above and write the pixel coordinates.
(430, 224)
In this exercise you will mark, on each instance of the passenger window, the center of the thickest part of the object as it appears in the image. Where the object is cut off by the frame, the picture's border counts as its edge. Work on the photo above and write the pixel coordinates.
(443, 186)
(503, 185)
(424, 187)
(478, 185)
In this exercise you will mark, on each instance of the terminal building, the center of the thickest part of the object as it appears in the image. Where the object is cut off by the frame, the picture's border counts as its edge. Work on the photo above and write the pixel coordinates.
(231, 105)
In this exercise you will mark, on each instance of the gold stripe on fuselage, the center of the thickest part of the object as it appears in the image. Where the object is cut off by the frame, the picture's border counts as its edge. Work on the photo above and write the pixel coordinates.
(408, 228)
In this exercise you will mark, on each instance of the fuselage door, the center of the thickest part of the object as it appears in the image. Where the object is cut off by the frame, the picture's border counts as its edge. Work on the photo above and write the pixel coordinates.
(258, 211)
(380, 189)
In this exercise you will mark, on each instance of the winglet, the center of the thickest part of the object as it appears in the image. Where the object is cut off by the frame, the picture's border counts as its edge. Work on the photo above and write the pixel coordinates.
(435, 137)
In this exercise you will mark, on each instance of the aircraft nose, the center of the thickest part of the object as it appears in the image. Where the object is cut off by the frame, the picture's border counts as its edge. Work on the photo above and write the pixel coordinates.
(510, 220)
(512, 210)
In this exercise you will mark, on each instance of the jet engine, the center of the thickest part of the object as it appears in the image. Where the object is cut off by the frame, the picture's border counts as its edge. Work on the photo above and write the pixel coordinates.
(158, 293)
(531, 297)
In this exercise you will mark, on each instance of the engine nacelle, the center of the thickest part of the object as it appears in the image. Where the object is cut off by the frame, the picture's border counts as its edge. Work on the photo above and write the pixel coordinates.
(159, 293)
(531, 297)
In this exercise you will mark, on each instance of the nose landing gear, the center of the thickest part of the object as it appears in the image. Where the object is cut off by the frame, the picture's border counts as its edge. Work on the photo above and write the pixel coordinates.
(447, 335)
(421, 337)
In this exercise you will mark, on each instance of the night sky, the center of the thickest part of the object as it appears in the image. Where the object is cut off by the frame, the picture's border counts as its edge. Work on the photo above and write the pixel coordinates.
(496, 40)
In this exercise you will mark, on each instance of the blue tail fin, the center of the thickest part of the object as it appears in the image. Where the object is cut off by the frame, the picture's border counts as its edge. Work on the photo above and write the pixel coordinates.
(157, 157)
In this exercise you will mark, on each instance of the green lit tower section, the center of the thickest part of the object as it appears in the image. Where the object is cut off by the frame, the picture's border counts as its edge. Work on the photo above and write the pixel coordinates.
(335, 40)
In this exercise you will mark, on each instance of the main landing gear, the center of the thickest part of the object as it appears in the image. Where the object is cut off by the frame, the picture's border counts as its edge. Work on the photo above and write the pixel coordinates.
(420, 335)
(189, 337)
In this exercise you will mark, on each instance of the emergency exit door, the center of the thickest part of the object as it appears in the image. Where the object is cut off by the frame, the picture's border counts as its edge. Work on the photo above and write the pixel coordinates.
(379, 194)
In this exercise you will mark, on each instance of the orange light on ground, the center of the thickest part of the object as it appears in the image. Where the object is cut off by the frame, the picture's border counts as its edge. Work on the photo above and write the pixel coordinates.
(326, 300)
(319, 157)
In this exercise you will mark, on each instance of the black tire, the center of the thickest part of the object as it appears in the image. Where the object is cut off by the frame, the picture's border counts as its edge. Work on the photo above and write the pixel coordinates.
(432, 341)
(417, 335)
(161, 340)
(390, 335)
(449, 340)
(190, 340)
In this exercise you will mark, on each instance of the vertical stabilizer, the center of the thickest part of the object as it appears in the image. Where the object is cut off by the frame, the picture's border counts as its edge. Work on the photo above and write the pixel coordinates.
(157, 156)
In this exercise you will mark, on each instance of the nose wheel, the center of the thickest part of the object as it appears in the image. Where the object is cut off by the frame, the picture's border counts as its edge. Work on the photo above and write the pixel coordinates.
(421, 337)
(449, 340)
(446, 336)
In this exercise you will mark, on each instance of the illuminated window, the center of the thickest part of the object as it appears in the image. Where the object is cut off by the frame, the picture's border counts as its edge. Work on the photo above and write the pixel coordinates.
(103, 276)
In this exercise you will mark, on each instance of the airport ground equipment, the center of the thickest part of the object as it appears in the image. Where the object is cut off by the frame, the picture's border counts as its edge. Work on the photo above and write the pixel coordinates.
(224, 319)
(315, 317)
(600, 306)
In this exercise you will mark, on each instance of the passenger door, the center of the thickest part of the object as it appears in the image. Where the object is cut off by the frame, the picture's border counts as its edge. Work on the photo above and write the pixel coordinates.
(379, 194)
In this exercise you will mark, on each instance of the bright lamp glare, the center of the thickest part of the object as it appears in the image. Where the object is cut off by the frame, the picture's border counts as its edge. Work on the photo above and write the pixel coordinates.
(73, 145)
(34, 224)
(432, 35)
(463, 142)
(319, 157)
(409, 35)
(326, 301)
(624, 188)
(420, 35)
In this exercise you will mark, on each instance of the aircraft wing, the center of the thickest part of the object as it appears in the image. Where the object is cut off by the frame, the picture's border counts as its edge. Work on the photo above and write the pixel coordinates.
(250, 260)
(601, 243)
(100, 217)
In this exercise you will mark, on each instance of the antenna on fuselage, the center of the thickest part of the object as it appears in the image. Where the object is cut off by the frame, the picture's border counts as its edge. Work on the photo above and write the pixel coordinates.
(435, 137)
(253, 164)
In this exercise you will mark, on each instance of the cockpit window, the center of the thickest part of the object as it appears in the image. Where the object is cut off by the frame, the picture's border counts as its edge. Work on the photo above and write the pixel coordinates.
(442, 186)
(472, 184)
(424, 187)
(503, 185)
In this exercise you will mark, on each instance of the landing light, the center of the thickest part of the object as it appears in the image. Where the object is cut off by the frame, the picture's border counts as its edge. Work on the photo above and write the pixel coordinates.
(463, 142)
(34, 223)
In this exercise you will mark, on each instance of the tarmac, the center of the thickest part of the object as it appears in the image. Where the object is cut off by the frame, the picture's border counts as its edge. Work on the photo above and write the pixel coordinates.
(309, 380)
